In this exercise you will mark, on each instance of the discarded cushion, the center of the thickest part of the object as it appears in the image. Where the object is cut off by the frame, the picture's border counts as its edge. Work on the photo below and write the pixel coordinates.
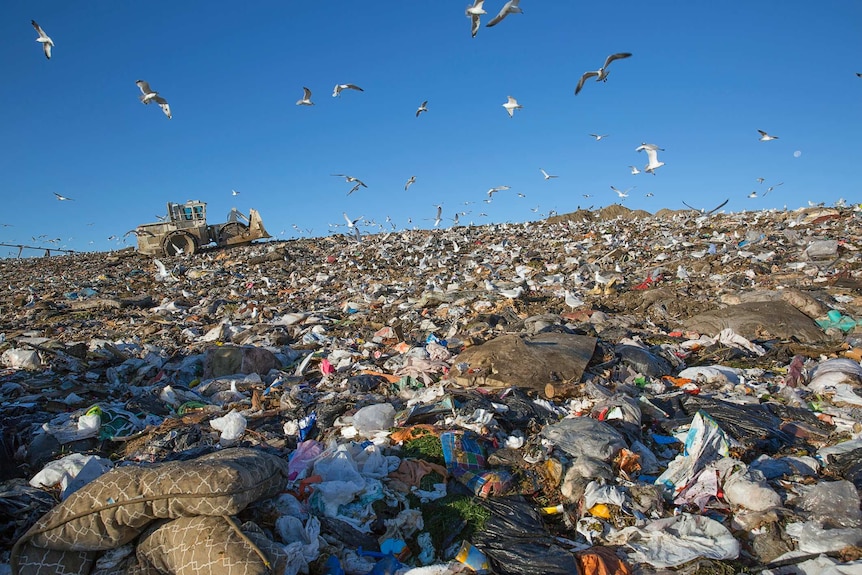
(115, 508)
(210, 546)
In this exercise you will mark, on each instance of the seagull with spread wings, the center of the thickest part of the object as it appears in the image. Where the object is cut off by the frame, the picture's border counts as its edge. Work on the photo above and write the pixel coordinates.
(510, 7)
(341, 87)
(43, 39)
(511, 105)
(149, 95)
(422, 108)
(306, 98)
(547, 175)
(764, 137)
(63, 198)
(652, 154)
(473, 13)
(601, 75)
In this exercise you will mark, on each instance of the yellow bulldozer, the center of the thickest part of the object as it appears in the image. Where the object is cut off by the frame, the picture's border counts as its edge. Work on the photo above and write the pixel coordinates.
(185, 230)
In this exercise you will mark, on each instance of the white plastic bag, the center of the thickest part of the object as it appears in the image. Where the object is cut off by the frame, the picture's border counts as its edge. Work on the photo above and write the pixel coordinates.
(231, 426)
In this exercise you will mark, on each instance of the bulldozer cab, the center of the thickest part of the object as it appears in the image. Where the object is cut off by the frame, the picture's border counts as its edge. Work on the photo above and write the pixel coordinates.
(190, 214)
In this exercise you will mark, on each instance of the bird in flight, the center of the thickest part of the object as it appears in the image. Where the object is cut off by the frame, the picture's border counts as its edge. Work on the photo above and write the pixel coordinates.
(601, 74)
(306, 98)
(473, 13)
(547, 175)
(770, 188)
(652, 154)
(351, 179)
(339, 87)
(351, 223)
(410, 182)
(623, 194)
(753, 194)
(149, 95)
(712, 211)
(43, 39)
(422, 108)
(63, 198)
(493, 191)
(599, 136)
(635, 171)
(764, 137)
(510, 7)
(511, 106)
(234, 193)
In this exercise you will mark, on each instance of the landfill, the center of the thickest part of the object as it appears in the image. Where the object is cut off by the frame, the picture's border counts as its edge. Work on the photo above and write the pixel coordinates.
(601, 392)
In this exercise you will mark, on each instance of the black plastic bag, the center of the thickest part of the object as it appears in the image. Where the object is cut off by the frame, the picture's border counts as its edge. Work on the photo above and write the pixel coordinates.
(516, 542)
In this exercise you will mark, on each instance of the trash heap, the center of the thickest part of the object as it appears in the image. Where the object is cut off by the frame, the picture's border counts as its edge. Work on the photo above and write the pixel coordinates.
(602, 392)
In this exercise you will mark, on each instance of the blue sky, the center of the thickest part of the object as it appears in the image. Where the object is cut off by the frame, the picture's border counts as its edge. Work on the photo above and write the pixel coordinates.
(703, 78)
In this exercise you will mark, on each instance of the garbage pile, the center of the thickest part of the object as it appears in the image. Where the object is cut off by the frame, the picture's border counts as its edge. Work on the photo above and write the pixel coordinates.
(602, 392)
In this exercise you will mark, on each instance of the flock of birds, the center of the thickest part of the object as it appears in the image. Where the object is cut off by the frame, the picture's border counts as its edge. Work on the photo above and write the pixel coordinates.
(474, 12)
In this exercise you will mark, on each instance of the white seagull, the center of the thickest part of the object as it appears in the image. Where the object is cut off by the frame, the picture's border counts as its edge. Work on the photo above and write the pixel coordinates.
(635, 171)
(410, 182)
(149, 95)
(439, 217)
(652, 154)
(599, 136)
(43, 39)
(510, 7)
(493, 191)
(234, 193)
(339, 87)
(511, 106)
(770, 188)
(422, 108)
(351, 223)
(547, 175)
(760, 180)
(602, 73)
(306, 98)
(752, 195)
(623, 194)
(572, 300)
(764, 137)
(350, 179)
(63, 198)
(473, 13)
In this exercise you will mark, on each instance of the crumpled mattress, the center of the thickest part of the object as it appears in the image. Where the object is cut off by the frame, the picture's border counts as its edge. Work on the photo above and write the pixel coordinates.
(138, 503)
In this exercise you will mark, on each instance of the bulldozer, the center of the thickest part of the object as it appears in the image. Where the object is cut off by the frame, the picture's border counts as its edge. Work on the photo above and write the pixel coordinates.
(184, 230)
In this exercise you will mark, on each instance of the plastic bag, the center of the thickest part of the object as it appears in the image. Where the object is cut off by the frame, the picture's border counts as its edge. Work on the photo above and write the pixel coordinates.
(374, 418)
(676, 540)
(516, 542)
(231, 426)
(579, 436)
(833, 503)
(704, 443)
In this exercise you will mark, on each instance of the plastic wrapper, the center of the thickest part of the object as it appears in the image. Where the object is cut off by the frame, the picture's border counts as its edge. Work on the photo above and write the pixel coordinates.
(579, 436)
(231, 426)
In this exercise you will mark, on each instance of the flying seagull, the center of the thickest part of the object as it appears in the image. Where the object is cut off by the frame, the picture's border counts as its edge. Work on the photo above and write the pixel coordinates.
(652, 154)
(511, 106)
(635, 171)
(473, 13)
(351, 223)
(493, 191)
(770, 188)
(764, 137)
(410, 182)
(306, 98)
(623, 194)
(752, 195)
(234, 193)
(710, 212)
(439, 216)
(422, 108)
(43, 39)
(350, 179)
(510, 7)
(602, 73)
(355, 187)
(547, 175)
(599, 136)
(760, 180)
(63, 198)
(149, 95)
(339, 87)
